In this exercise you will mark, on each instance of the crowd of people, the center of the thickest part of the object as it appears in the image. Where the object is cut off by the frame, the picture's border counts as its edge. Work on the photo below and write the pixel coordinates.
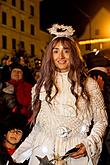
(16, 82)
(64, 108)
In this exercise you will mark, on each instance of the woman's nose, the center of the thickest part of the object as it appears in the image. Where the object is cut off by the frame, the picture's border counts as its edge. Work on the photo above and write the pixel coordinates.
(61, 54)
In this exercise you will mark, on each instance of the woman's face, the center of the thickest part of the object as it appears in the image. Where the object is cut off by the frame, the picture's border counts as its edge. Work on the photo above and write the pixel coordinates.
(61, 57)
(16, 74)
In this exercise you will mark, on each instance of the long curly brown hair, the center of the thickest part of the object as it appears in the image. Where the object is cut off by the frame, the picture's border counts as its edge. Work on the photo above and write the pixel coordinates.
(48, 69)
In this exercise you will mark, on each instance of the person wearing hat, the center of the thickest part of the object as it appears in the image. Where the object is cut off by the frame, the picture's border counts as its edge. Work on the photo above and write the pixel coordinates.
(27, 71)
(13, 131)
(97, 68)
(17, 92)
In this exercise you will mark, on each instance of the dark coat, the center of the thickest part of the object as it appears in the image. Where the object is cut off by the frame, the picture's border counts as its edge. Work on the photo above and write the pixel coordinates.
(6, 157)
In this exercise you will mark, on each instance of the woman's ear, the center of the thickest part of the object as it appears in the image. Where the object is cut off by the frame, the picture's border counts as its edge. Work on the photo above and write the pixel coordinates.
(100, 82)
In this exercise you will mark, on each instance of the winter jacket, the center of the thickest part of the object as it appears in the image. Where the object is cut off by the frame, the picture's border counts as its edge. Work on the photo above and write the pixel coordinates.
(17, 96)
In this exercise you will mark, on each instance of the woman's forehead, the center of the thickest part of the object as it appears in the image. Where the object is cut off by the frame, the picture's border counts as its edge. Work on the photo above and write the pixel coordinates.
(62, 43)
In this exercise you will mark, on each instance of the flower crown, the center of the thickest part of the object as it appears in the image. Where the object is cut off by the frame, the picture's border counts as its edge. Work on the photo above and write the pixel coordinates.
(61, 30)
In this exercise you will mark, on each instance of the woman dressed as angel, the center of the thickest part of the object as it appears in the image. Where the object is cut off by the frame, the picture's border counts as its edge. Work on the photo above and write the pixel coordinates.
(68, 108)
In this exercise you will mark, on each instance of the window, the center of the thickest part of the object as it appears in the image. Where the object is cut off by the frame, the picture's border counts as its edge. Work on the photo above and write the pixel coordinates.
(13, 43)
(88, 46)
(13, 21)
(31, 10)
(4, 18)
(22, 25)
(22, 4)
(21, 44)
(13, 2)
(32, 29)
(4, 42)
(97, 32)
(32, 50)
(21, 48)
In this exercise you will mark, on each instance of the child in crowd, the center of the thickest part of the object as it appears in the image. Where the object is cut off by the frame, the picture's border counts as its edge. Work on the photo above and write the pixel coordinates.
(13, 131)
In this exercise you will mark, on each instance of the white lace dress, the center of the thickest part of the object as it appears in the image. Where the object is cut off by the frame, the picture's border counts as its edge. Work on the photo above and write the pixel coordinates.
(61, 126)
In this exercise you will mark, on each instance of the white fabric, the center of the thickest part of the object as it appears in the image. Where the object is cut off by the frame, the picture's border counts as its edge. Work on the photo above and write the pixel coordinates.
(60, 126)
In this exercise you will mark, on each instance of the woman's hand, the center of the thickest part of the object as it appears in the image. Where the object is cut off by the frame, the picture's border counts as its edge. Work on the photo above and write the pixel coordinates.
(80, 153)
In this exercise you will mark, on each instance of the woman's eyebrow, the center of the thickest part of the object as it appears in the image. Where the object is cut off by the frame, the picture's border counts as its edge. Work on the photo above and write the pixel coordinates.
(66, 48)
(55, 48)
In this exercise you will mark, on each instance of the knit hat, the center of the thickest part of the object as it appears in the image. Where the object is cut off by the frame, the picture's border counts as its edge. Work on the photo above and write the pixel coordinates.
(16, 65)
(96, 61)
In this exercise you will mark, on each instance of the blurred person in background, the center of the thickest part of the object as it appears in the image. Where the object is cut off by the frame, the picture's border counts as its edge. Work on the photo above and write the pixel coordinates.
(28, 75)
(108, 69)
(97, 69)
(3, 61)
(36, 75)
(13, 131)
(5, 70)
(16, 92)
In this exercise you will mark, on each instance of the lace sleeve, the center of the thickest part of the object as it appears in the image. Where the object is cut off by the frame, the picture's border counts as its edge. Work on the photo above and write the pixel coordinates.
(93, 142)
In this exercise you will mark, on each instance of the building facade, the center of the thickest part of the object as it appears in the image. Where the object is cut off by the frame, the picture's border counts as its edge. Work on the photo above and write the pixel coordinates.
(97, 32)
(20, 28)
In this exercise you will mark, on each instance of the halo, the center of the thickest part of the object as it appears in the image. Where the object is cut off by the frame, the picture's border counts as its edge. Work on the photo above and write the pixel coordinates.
(61, 30)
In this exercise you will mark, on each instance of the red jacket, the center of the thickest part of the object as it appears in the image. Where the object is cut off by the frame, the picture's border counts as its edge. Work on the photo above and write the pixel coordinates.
(22, 92)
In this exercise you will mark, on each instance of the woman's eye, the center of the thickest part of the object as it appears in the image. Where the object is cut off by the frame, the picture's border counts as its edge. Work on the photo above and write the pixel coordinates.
(66, 51)
(55, 51)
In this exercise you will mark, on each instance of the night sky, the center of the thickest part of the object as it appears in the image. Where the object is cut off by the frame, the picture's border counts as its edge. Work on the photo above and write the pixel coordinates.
(75, 13)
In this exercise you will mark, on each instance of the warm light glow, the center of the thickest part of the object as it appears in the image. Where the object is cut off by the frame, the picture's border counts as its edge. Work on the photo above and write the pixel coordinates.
(94, 41)
(44, 150)
(106, 27)
(95, 50)
(83, 129)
